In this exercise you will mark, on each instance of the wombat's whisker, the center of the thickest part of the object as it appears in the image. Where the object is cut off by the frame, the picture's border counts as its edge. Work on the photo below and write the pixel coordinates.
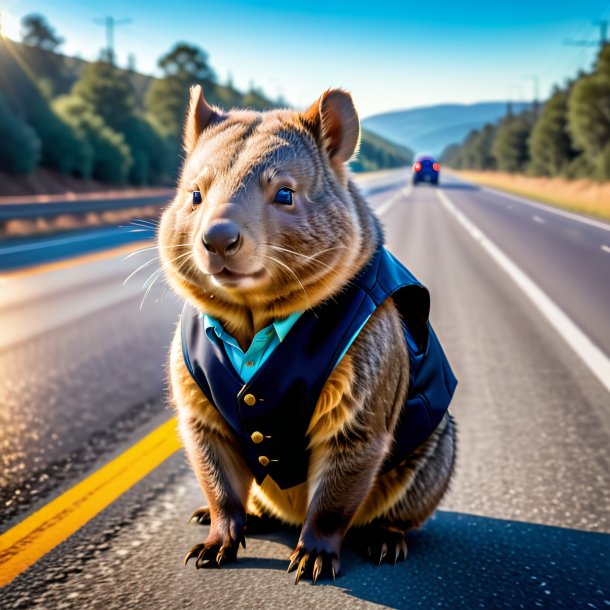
(148, 248)
(160, 269)
(303, 256)
(313, 258)
(150, 221)
(275, 260)
(146, 264)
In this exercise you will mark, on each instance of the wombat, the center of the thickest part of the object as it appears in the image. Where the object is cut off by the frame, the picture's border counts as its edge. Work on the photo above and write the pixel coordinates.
(343, 423)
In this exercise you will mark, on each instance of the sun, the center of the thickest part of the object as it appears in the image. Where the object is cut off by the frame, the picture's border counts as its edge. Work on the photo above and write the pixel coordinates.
(10, 25)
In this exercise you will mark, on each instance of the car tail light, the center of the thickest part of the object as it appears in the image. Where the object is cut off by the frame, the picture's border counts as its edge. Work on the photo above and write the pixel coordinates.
(436, 166)
(417, 167)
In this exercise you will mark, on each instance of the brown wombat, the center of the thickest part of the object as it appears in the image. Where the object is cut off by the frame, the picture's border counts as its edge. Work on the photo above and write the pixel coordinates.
(266, 226)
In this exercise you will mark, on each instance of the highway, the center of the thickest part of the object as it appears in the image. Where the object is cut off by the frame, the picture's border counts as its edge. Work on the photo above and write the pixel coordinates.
(527, 521)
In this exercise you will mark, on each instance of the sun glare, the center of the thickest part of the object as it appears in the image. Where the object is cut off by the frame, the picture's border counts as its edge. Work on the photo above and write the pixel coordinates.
(10, 25)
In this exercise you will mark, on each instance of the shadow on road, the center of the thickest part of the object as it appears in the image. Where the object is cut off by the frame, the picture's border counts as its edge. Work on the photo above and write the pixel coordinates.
(460, 186)
(463, 561)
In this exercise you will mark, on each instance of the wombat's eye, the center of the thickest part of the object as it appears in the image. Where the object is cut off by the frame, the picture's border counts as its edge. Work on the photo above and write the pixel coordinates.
(196, 199)
(284, 196)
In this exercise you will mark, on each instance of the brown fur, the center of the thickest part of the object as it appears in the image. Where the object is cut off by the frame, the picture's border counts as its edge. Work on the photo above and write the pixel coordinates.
(291, 258)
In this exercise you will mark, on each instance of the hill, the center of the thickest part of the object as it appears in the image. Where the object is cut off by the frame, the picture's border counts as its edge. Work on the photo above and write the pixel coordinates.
(429, 129)
(94, 121)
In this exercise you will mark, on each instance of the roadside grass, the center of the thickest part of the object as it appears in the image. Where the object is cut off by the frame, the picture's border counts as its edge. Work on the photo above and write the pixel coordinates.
(582, 196)
(26, 227)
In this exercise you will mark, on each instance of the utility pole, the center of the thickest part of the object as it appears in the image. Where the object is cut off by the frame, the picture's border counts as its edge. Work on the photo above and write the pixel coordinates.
(536, 99)
(110, 23)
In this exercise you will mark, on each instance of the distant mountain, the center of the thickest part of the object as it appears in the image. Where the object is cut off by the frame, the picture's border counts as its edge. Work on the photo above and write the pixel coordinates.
(430, 129)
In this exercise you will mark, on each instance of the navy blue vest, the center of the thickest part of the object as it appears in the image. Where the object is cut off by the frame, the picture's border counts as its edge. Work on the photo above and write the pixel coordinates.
(270, 414)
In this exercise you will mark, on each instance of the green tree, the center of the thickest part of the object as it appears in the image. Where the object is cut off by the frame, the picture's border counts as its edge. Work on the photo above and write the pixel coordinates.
(108, 91)
(52, 74)
(589, 115)
(110, 157)
(19, 145)
(36, 32)
(510, 145)
(550, 145)
(451, 156)
(149, 151)
(185, 65)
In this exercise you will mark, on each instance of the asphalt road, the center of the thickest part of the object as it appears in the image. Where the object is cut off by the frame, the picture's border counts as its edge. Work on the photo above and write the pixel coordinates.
(527, 519)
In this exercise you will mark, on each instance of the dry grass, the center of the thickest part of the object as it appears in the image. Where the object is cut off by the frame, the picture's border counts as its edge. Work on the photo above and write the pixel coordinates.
(584, 196)
(40, 226)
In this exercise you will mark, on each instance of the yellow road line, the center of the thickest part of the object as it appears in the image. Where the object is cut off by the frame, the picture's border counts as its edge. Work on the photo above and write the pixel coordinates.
(73, 262)
(36, 535)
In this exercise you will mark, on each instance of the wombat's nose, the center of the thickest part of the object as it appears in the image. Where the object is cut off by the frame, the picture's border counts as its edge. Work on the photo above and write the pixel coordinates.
(222, 237)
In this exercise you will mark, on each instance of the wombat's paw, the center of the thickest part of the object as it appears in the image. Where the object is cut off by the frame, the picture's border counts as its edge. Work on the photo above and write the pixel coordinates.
(201, 516)
(313, 563)
(384, 543)
(255, 524)
(212, 553)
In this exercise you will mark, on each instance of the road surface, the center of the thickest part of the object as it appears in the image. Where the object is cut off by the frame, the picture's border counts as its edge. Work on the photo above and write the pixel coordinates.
(525, 523)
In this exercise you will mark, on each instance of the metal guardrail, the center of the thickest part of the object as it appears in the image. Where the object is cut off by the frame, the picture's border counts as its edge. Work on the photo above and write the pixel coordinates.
(13, 211)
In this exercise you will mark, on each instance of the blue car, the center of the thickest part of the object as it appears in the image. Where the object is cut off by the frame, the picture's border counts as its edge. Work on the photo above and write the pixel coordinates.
(426, 169)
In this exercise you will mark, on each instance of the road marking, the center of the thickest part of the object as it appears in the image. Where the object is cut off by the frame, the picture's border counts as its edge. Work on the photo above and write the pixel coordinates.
(35, 536)
(384, 207)
(538, 219)
(66, 263)
(548, 208)
(606, 248)
(592, 356)
(49, 243)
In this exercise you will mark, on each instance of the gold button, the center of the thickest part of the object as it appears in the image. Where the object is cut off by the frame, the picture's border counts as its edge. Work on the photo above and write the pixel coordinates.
(249, 363)
(264, 460)
(250, 400)
(257, 437)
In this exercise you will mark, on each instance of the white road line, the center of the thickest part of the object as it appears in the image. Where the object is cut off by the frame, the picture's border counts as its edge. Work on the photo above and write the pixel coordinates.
(547, 208)
(606, 248)
(55, 242)
(592, 356)
(386, 205)
(538, 219)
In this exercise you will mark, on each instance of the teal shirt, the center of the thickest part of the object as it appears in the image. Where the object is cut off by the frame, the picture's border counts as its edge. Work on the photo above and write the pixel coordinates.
(265, 341)
(262, 346)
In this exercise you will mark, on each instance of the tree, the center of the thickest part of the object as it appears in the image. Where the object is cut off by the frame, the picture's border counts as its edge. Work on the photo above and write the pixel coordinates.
(108, 91)
(589, 115)
(187, 63)
(110, 157)
(150, 159)
(510, 145)
(36, 32)
(550, 145)
(19, 145)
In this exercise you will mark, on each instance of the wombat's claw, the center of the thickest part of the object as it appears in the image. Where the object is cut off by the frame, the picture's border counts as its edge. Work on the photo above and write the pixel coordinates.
(384, 544)
(313, 564)
(213, 555)
(201, 515)
(390, 545)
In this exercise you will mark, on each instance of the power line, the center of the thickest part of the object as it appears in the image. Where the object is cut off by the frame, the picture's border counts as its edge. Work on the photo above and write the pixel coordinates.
(110, 23)
(603, 37)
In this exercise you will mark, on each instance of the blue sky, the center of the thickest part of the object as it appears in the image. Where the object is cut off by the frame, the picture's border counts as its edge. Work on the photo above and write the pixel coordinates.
(390, 55)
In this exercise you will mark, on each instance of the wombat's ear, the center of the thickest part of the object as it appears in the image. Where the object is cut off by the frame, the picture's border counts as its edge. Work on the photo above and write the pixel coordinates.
(334, 121)
(198, 116)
